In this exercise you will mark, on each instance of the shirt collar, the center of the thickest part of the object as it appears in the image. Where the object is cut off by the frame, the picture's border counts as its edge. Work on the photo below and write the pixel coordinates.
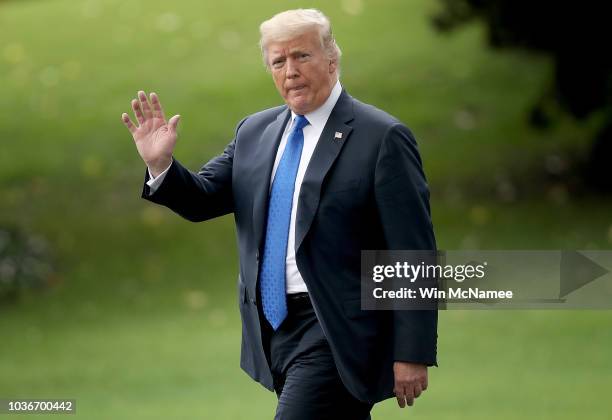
(319, 116)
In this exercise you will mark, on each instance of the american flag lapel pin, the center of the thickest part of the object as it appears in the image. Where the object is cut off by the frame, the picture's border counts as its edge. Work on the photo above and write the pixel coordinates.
(338, 135)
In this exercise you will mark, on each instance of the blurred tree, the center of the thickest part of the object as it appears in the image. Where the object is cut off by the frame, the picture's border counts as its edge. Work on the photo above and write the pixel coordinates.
(25, 263)
(576, 35)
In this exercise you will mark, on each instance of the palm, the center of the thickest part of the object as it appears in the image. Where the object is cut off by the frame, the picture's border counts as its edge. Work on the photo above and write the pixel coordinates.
(155, 137)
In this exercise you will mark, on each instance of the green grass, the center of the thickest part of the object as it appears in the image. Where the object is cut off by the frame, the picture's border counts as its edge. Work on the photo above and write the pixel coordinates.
(143, 322)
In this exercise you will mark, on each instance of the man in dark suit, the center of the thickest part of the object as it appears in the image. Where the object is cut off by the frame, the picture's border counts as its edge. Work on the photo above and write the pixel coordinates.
(311, 184)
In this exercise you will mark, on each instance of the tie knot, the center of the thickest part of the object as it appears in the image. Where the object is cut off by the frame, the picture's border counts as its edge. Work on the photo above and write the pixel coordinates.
(300, 122)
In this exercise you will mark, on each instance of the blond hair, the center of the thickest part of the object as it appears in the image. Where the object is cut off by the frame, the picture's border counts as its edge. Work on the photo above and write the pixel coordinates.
(290, 24)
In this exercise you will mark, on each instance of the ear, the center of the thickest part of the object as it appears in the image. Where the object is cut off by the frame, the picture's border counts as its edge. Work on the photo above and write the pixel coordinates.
(333, 65)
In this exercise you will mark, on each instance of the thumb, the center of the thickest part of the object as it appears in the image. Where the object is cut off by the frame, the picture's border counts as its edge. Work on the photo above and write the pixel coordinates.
(173, 122)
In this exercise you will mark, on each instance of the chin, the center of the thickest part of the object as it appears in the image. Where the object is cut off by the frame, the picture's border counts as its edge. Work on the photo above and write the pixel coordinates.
(299, 107)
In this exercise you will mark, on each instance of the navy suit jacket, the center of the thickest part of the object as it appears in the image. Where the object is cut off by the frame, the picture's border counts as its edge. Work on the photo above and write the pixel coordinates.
(365, 190)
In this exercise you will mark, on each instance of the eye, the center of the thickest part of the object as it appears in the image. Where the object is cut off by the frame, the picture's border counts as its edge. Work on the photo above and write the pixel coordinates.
(304, 56)
(277, 63)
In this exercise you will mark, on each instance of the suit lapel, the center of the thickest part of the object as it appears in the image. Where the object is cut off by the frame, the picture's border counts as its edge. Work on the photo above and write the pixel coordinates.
(334, 135)
(263, 162)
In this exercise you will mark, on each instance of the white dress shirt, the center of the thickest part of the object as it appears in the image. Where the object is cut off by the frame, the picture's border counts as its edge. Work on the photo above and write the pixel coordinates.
(317, 119)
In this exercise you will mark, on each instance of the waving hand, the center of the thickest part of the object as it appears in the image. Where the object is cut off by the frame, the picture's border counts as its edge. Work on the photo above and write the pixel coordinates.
(155, 137)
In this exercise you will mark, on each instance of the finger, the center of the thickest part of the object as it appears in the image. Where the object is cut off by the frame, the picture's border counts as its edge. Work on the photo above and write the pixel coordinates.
(144, 103)
(404, 395)
(158, 111)
(417, 390)
(128, 123)
(399, 394)
(173, 123)
(137, 111)
(409, 392)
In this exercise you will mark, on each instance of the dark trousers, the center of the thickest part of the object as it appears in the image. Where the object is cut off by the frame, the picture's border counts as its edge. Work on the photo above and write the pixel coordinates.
(306, 380)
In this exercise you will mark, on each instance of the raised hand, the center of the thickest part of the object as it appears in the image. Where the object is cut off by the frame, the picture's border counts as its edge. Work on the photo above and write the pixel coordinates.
(155, 137)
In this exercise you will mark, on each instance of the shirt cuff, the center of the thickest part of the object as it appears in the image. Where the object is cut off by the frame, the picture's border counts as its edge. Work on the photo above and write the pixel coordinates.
(155, 182)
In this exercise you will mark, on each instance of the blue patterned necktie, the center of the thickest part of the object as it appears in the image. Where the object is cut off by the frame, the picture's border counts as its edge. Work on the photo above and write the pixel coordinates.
(272, 275)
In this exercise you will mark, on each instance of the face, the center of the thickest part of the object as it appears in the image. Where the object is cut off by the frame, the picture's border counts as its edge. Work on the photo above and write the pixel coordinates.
(303, 73)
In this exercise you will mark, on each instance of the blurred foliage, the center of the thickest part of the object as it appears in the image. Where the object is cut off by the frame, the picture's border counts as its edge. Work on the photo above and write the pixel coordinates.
(25, 263)
(576, 36)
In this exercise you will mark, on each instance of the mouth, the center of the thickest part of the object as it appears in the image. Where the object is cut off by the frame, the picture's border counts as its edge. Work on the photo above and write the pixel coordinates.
(296, 88)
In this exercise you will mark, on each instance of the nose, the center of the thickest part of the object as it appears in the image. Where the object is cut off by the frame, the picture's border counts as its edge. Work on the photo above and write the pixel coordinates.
(292, 70)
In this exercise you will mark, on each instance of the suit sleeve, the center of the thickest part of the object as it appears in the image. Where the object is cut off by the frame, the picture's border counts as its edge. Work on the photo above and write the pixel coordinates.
(402, 199)
(197, 196)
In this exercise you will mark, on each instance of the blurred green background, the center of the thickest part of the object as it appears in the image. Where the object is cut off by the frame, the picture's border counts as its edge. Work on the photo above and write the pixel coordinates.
(138, 318)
